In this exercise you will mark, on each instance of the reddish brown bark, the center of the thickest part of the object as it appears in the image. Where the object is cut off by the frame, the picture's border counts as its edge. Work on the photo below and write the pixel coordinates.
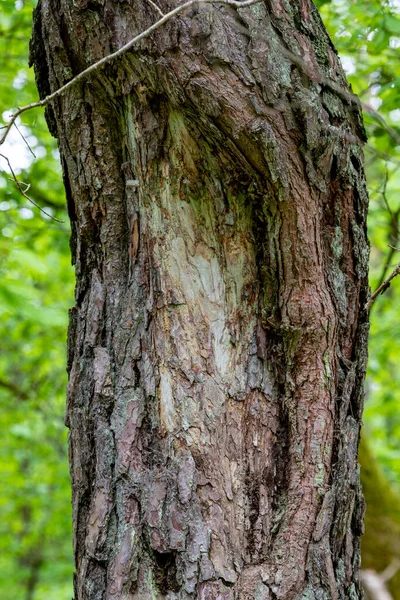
(217, 348)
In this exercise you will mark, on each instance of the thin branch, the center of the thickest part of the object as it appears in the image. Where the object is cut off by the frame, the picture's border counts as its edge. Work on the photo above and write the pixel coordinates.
(106, 59)
(157, 8)
(25, 140)
(383, 155)
(18, 393)
(390, 571)
(383, 287)
(19, 185)
(384, 196)
(386, 266)
(340, 91)
(392, 132)
(394, 229)
(374, 585)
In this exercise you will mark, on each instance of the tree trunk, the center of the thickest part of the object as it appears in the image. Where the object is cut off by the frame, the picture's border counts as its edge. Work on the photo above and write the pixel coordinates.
(218, 345)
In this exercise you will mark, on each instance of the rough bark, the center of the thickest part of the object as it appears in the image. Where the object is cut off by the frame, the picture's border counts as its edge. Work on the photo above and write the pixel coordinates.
(218, 344)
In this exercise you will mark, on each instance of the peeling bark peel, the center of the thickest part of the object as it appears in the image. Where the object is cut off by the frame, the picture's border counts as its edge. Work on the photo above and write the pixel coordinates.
(217, 346)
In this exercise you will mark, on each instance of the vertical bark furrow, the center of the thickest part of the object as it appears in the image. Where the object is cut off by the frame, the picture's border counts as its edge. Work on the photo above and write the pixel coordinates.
(216, 366)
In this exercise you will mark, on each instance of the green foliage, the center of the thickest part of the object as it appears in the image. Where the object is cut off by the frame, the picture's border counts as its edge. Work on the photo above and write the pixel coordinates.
(36, 290)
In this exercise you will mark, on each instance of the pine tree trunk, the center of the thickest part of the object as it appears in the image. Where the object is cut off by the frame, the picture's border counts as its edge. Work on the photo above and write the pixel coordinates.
(217, 348)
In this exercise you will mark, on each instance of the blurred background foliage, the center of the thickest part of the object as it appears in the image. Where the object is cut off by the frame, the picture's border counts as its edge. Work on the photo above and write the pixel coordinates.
(36, 290)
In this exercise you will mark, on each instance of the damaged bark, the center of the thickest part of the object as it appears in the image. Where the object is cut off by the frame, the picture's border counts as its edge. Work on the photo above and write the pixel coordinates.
(217, 348)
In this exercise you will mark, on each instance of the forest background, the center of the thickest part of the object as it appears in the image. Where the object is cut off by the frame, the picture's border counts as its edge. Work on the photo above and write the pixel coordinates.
(36, 291)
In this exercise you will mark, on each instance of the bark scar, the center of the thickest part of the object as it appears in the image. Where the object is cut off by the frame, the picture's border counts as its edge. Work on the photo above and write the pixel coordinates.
(134, 241)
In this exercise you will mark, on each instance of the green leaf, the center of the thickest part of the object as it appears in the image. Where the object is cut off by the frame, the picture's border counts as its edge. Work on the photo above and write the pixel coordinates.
(392, 24)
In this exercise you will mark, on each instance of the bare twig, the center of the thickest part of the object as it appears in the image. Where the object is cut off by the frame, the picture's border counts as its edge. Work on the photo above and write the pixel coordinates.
(16, 391)
(394, 229)
(25, 140)
(106, 59)
(23, 191)
(383, 155)
(375, 583)
(390, 571)
(386, 266)
(317, 76)
(392, 132)
(383, 287)
(157, 8)
(384, 196)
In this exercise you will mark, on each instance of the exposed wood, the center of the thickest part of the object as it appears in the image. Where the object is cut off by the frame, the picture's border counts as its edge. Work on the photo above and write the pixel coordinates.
(217, 349)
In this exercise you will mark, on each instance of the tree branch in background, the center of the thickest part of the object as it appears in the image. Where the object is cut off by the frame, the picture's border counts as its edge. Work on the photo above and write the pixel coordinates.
(375, 583)
(383, 287)
(25, 140)
(392, 132)
(393, 232)
(383, 155)
(23, 191)
(7, 385)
